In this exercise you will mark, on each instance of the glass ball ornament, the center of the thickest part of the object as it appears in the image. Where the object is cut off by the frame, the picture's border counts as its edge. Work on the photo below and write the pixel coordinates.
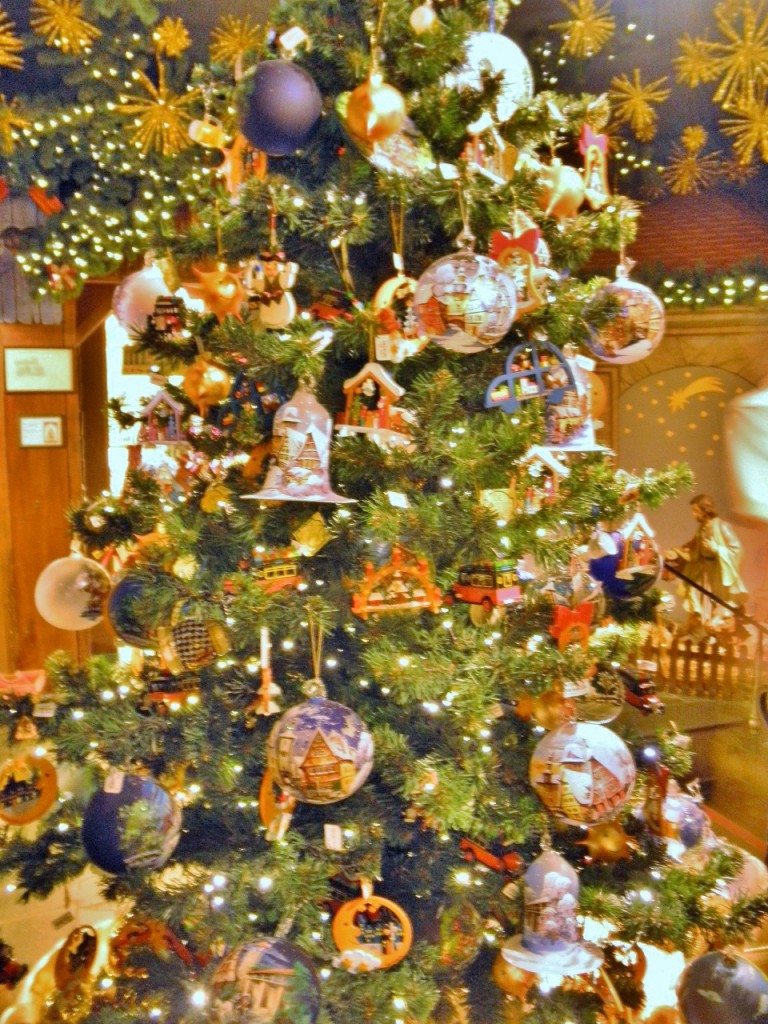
(375, 110)
(320, 751)
(133, 823)
(263, 980)
(281, 108)
(583, 773)
(490, 53)
(129, 591)
(135, 297)
(423, 18)
(722, 988)
(597, 698)
(70, 592)
(637, 327)
(465, 302)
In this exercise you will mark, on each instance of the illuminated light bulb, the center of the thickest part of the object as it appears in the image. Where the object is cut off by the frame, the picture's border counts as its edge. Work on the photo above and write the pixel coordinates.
(199, 998)
(265, 883)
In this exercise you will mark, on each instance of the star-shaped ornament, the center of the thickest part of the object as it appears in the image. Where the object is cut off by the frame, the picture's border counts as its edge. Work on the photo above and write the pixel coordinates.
(221, 291)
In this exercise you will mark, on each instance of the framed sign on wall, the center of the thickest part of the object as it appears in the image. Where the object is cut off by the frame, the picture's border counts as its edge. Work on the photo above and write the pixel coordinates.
(39, 369)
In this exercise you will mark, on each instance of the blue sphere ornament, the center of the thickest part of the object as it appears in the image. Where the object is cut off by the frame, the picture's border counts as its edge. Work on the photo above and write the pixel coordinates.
(465, 302)
(281, 109)
(264, 980)
(320, 752)
(133, 823)
(722, 988)
(129, 591)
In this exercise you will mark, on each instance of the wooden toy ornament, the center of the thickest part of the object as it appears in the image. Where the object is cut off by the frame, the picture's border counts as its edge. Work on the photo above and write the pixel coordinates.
(371, 932)
(371, 408)
(403, 584)
(266, 702)
(28, 787)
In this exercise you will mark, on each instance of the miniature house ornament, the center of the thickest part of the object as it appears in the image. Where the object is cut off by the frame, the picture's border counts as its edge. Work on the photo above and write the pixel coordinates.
(371, 397)
(301, 449)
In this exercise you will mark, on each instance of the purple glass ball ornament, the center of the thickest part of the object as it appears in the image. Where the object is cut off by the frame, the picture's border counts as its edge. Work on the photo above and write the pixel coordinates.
(281, 108)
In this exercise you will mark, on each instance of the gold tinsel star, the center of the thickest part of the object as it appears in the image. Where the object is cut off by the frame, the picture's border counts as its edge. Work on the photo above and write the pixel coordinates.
(63, 25)
(171, 38)
(233, 38)
(10, 44)
(748, 127)
(589, 28)
(11, 122)
(743, 58)
(698, 62)
(632, 103)
(161, 119)
(690, 170)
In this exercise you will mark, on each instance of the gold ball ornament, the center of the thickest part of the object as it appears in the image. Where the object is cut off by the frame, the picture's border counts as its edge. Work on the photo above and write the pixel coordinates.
(423, 18)
(206, 384)
(562, 191)
(222, 291)
(513, 981)
(375, 110)
(608, 843)
(550, 709)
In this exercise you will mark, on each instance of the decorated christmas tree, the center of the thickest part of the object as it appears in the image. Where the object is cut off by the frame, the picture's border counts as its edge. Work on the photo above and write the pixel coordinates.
(362, 758)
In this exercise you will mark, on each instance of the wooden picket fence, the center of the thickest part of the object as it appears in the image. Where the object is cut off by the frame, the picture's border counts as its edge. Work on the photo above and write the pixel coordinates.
(707, 669)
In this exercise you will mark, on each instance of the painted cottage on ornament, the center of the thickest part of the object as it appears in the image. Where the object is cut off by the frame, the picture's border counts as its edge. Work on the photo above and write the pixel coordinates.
(371, 397)
(162, 420)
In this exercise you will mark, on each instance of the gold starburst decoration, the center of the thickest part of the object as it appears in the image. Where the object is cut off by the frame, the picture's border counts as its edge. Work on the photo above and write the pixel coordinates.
(233, 38)
(161, 119)
(698, 62)
(62, 24)
(748, 127)
(171, 38)
(589, 28)
(632, 103)
(744, 57)
(10, 44)
(691, 170)
(11, 123)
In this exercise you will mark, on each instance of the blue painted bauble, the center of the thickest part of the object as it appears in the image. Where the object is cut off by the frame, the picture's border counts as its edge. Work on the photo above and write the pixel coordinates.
(722, 988)
(264, 980)
(129, 591)
(320, 751)
(136, 825)
(281, 109)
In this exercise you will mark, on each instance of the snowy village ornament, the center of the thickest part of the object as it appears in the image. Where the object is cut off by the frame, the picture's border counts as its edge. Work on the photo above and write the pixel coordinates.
(583, 773)
(263, 980)
(551, 942)
(70, 592)
(465, 302)
(131, 823)
(301, 449)
(28, 787)
(371, 932)
(490, 53)
(627, 561)
(320, 752)
(192, 640)
(269, 281)
(635, 326)
(371, 397)
(402, 584)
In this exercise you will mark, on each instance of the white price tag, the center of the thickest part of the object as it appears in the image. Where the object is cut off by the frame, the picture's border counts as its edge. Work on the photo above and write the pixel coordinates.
(114, 781)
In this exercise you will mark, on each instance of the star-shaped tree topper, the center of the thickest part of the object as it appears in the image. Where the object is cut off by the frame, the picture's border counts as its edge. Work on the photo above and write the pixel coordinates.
(589, 28)
(62, 24)
(10, 44)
